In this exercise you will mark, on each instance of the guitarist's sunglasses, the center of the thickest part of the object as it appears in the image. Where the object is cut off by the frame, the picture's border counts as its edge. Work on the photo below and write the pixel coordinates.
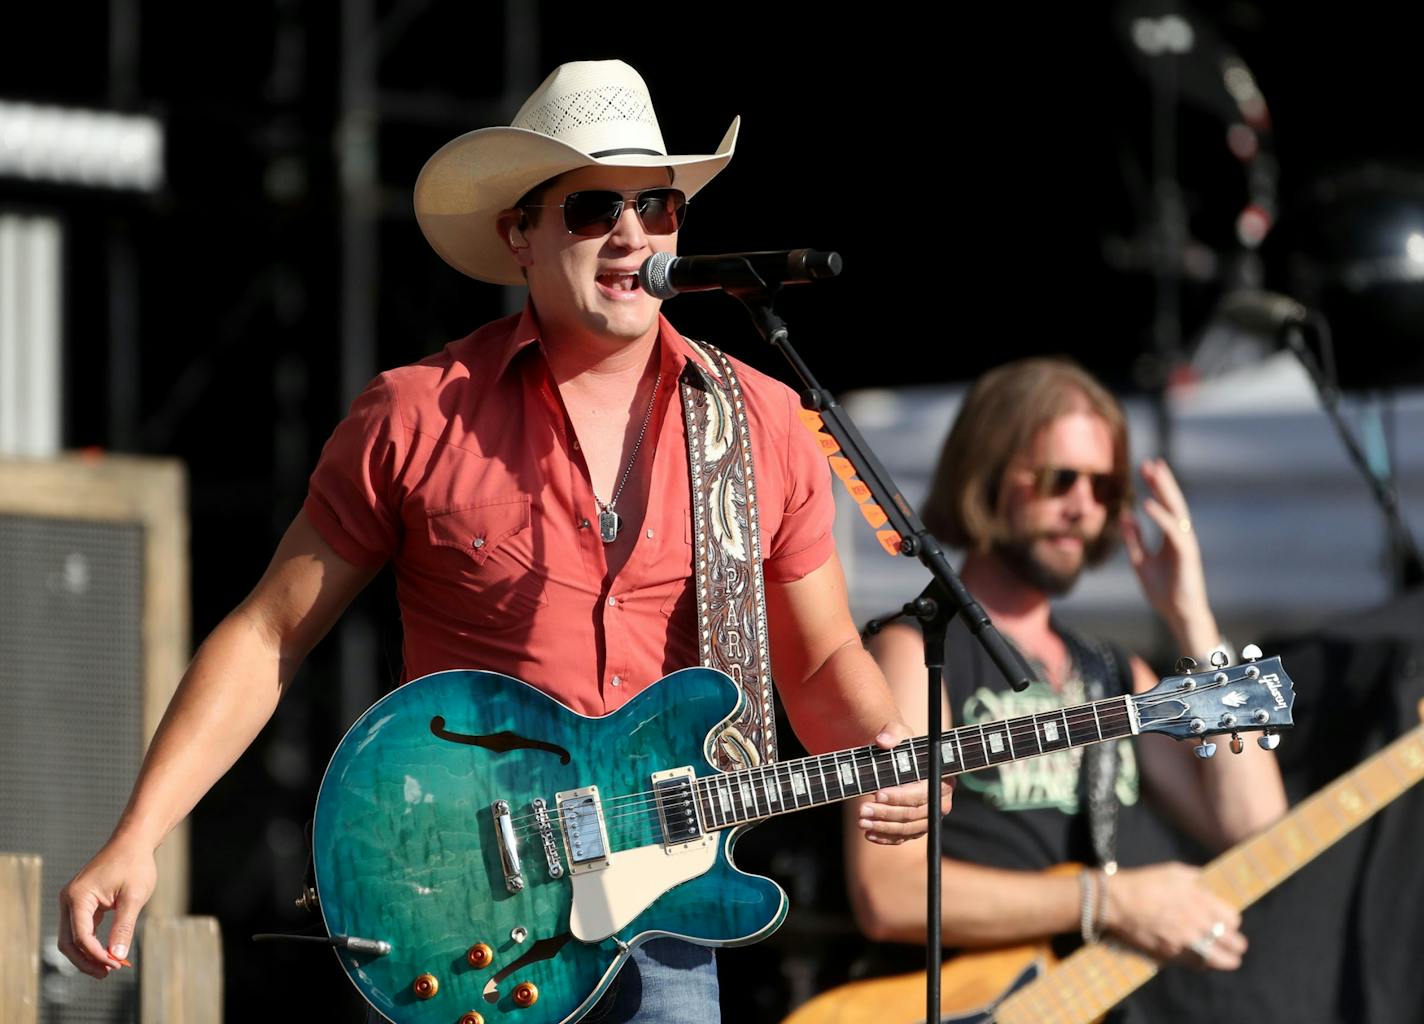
(1056, 481)
(593, 213)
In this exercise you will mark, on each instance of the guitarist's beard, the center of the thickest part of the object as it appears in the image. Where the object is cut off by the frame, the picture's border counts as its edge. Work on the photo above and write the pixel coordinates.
(1033, 570)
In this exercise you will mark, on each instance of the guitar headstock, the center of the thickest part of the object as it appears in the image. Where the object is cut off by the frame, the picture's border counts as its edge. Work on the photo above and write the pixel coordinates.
(1252, 697)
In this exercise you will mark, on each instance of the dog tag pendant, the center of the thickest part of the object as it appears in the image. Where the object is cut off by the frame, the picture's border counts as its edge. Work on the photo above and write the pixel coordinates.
(608, 523)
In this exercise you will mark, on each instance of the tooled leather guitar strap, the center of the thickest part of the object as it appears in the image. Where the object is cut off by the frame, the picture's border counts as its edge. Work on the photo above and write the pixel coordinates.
(726, 553)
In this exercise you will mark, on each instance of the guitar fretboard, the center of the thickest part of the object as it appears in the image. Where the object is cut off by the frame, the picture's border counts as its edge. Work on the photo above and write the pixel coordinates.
(1098, 977)
(754, 794)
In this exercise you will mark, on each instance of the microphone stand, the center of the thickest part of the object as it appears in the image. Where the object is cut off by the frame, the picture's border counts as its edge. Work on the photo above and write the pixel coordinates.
(944, 598)
(1408, 565)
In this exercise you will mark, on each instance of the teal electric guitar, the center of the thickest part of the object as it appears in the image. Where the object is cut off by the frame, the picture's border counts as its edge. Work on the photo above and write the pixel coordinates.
(482, 853)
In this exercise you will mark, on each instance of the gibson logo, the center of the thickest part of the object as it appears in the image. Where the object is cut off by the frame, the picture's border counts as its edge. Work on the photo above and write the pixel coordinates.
(1273, 683)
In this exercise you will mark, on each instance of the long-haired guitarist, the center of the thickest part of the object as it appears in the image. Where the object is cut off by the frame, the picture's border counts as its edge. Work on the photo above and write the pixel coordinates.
(530, 485)
(1034, 484)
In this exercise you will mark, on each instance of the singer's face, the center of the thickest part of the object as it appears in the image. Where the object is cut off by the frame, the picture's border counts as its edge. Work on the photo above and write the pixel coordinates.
(589, 286)
(1051, 533)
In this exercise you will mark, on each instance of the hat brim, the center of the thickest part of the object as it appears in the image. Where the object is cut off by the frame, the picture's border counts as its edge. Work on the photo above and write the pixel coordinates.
(470, 180)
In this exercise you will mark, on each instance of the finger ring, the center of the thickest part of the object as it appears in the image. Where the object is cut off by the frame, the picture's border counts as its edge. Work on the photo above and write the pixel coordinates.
(1203, 944)
(1184, 524)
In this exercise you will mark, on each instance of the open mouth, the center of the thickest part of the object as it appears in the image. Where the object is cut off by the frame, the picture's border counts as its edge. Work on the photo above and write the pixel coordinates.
(619, 281)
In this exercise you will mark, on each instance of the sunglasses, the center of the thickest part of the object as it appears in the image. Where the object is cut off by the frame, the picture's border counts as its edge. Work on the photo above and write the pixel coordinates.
(593, 213)
(1056, 481)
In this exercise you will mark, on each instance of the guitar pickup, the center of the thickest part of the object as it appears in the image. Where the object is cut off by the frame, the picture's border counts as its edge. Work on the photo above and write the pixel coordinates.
(675, 794)
(585, 838)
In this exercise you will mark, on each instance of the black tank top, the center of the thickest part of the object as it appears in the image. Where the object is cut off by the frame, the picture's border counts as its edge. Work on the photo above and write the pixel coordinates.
(1032, 814)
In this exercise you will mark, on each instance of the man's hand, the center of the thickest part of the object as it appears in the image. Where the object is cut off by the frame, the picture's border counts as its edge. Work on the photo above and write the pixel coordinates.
(1172, 578)
(898, 813)
(1165, 911)
(120, 878)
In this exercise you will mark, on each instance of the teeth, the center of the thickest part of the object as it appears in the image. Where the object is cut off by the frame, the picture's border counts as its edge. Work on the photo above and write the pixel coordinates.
(624, 282)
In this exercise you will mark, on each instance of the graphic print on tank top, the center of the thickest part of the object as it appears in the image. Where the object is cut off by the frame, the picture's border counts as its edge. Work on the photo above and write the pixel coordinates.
(1048, 782)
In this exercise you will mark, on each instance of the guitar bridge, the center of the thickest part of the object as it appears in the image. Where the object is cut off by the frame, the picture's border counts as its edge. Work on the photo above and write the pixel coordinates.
(581, 814)
(546, 837)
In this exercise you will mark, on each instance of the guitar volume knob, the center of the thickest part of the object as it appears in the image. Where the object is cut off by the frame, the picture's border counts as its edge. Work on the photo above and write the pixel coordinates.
(525, 994)
(425, 986)
(480, 955)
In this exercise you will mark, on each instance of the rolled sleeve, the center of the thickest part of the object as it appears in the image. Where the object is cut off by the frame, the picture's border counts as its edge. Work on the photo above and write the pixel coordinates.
(352, 495)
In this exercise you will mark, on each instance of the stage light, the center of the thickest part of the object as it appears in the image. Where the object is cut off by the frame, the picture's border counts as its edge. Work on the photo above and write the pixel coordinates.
(1414, 247)
(88, 148)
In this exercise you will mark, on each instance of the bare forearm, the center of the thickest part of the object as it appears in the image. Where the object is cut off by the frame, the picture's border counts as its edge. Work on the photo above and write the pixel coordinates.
(979, 906)
(1245, 789)
(844, 703)
(1195, 633)
(226, 696)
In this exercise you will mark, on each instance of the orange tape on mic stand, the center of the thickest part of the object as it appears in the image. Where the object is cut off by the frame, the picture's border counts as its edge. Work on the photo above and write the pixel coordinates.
(845, 472)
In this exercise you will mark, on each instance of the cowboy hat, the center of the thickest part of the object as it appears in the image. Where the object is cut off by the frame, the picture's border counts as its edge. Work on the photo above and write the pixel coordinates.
(585, 114)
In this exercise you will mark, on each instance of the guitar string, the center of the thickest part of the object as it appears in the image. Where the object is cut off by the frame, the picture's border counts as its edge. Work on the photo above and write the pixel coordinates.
(814, 765)
(647, 800)
(1016, 728)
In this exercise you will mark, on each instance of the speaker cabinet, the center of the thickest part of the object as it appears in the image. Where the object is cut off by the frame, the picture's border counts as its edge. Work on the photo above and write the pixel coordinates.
(94, 635)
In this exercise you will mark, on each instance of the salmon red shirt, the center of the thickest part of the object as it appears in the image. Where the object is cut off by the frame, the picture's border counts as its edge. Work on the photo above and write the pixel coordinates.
(463, 470)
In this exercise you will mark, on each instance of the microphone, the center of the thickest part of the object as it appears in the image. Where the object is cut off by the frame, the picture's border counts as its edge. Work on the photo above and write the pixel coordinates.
(664, 275)
(1266, 313)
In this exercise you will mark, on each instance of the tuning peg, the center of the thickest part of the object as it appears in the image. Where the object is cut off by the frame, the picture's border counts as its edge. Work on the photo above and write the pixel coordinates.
(1237, 743)
(1268, 741)
(1204, 750)
(1187, 665)
(1251, 652)
(1219, 659)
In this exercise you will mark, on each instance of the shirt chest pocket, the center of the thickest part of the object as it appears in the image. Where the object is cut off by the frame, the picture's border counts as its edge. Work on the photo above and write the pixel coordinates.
(488, 548)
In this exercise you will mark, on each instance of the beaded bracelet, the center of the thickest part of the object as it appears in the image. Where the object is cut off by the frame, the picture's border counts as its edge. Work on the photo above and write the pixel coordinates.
(1088, 912)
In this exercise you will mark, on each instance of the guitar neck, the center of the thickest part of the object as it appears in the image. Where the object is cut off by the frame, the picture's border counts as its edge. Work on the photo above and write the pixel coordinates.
(1098, 977)
(1250, 869)
(754, 794)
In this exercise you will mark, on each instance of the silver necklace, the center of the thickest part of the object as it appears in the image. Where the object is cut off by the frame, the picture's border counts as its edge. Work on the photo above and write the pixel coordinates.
(609, 521)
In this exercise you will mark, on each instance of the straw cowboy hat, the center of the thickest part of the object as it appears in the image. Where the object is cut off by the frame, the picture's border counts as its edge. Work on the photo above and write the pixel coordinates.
(585, 114)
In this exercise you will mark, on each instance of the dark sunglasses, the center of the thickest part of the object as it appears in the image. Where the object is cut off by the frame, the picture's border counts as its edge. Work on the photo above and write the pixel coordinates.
(595, 212)
(1056, 481)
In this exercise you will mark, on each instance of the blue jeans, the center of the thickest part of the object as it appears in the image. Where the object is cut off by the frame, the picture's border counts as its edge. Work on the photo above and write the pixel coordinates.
(667, 981)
